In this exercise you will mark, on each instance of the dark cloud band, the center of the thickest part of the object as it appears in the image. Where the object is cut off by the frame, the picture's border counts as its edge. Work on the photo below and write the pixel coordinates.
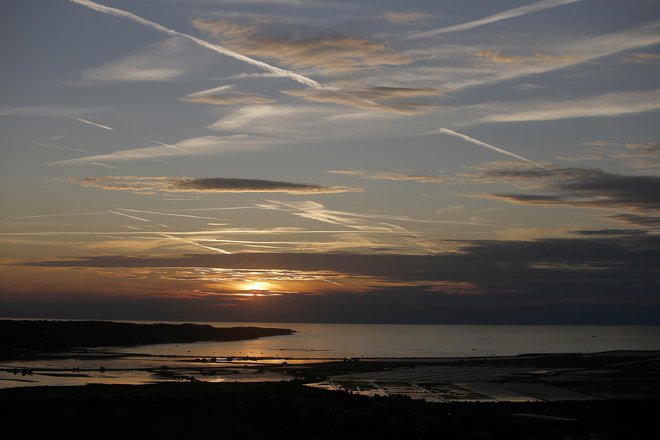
(147, 185)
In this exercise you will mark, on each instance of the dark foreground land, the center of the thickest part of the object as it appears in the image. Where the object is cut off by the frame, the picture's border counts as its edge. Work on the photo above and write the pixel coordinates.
(19, 336)
(292, 410)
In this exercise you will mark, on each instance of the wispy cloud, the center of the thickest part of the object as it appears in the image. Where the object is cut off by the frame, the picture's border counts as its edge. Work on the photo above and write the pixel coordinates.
(644, 58)
(646, 221)
(640, 155)
(205, 185)
(151, 63)
(405, 17)
(170, 146)
(191, 146)
(325, 55)
(501, 57)
(389, 99)
(361, 222)
(504, 15)
(543, 57)
(608, 105)
(224, 95)
(205, 44)
(486, 145)
(383, 175)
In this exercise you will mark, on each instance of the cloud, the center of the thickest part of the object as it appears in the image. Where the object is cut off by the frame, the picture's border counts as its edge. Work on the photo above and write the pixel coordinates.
(639, 155)
(637, 220)
(191, 146)
(224, 95)
(150, 63)
(504, 15)
(500, 57)
(618, 271)
(404, 17)
(610, 232)
(299, 3)
(646, 148)
(361, 222)
(389, 98)
(301, 122)
(580, 187)
(644, 58)
(451, 74)
(308, 82)
(380, 175)
(607, 105)
(324, 55)
(147, 185)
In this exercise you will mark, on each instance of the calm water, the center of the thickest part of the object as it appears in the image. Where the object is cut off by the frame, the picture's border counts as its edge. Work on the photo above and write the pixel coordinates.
(361, 340)
(323, 341)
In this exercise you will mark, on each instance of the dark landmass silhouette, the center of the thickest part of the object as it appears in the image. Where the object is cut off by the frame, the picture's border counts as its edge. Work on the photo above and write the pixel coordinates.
(18, 335)
(293, 411)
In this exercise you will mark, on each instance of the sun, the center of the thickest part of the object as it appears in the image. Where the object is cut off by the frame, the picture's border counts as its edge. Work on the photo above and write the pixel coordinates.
(257, 286)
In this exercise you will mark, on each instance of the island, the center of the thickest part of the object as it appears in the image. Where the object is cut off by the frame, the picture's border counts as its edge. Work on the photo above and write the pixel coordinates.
(28, 335)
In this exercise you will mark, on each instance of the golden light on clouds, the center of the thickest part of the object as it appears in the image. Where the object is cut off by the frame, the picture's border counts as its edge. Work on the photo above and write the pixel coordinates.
(257, 286)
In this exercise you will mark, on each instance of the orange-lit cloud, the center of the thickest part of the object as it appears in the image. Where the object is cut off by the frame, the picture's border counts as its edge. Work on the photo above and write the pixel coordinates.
(327, 55)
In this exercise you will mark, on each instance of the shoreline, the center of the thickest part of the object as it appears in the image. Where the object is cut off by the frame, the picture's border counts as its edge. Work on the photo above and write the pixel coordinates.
(38, 336)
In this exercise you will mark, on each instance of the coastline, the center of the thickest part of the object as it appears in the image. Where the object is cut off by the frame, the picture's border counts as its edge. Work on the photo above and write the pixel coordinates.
(24, 336)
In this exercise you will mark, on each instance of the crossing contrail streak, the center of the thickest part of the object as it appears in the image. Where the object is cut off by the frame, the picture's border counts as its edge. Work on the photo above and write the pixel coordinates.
(169, 146)
(504, 15)
(208, 91)
(165, 213)
(194, 243)
(75, 214)
(484, 144)
(219, 49)
(129, 216)
(85, 121)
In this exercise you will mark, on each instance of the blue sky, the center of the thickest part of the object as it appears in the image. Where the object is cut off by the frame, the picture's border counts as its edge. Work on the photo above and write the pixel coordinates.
(137, 132)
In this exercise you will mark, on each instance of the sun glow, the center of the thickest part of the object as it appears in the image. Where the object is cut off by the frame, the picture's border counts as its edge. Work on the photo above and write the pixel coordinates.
(257, 286)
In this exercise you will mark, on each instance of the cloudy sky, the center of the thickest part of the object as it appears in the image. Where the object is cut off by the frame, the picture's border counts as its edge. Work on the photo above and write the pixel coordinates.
(331, 160)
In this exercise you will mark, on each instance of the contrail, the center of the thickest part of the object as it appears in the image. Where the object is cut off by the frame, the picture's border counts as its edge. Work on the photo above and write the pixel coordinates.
(165, 213)
(504, 15)
(169, 146)
(59, 215)
(208, 91)
(174, 237)
(219, 49)
(129, 216)
(85, 121)
(484, 144)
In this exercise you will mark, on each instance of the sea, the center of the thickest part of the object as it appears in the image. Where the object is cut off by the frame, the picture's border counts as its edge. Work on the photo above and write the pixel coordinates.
(240, 360)
(414, 341)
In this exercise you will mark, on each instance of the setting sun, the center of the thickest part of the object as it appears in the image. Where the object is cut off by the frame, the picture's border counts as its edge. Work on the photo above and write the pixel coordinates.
(257, 285)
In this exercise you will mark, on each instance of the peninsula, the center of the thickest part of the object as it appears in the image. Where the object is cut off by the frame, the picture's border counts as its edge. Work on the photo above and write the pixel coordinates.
(27, 335)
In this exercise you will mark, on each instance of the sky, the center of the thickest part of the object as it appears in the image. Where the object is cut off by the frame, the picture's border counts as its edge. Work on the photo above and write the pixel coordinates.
(437, 162)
